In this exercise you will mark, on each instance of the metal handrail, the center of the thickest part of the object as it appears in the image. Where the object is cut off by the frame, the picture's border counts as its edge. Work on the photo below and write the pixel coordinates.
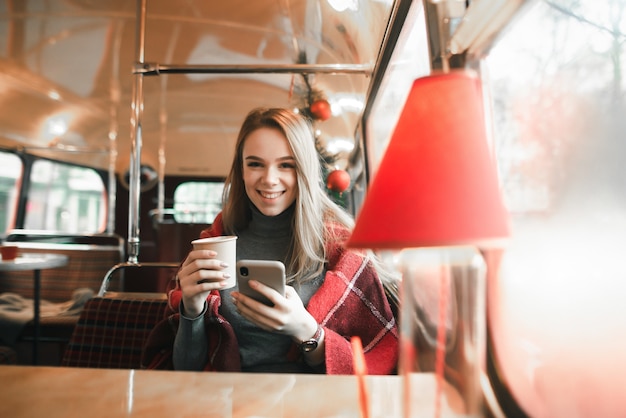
(120, 266)
(146, 68)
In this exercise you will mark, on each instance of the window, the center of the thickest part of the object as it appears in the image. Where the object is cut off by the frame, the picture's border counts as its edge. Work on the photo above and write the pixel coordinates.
(409, 61)
(65, 198)
(557, 84)
(11, 170)
(198, 202)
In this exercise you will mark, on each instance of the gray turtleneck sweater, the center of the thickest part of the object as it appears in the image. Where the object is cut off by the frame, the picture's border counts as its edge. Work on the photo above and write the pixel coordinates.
(266, 238)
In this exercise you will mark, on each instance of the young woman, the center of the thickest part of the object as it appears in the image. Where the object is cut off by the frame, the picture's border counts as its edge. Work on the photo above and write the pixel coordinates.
(274, 201)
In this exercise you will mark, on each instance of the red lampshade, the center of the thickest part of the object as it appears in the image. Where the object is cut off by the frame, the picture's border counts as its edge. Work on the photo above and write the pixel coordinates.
(436, 184)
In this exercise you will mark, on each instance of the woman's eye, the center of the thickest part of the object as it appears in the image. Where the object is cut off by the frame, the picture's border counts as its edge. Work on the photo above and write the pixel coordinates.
(287, 165)
(253, 164)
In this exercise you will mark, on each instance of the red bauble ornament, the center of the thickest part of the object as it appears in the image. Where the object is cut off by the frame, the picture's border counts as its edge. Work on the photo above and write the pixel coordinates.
(320, 109)
(338, 181)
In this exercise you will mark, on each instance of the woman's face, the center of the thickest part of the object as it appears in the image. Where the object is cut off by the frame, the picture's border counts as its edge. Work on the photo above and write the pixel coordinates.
(269, 171)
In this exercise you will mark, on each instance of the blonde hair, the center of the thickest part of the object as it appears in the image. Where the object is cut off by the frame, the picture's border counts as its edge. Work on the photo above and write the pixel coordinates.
(313, 207)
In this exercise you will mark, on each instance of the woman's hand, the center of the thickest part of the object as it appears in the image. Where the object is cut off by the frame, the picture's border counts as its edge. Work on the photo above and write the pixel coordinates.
(200, 273)
(288, 316)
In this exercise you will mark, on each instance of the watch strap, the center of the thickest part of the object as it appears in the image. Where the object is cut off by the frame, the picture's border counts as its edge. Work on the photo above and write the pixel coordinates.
(312, 343)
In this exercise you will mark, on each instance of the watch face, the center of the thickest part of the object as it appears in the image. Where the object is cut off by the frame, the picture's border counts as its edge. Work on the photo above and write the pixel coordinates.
(308, 346)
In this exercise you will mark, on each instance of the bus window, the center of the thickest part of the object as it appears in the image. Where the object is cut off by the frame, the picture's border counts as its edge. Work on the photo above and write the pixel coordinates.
(65, 198)
(557, 311)
(11, 169)
(409, 61)
(198, 202)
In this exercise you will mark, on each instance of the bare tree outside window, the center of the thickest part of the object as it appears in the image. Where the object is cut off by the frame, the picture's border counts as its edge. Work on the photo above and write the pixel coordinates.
(557, 83)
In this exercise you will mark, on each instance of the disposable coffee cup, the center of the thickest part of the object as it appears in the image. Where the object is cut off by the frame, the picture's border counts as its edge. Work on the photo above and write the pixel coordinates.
(8, 252)
(226, 248)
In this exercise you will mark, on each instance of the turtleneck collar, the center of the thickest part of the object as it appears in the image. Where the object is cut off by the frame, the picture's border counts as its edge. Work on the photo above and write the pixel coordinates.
(274, 226)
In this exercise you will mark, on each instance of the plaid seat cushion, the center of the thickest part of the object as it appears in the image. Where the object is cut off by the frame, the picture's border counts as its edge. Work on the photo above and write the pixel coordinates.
(110, 333)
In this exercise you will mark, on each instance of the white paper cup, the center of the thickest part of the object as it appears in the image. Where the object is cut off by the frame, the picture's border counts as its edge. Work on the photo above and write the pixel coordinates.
(226, 248)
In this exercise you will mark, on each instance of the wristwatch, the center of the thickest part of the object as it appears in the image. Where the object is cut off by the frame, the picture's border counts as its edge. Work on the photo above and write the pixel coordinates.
(312, 343)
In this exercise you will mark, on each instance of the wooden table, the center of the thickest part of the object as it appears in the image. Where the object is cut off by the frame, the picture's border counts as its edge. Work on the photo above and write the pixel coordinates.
(35, 262)
(29, 391)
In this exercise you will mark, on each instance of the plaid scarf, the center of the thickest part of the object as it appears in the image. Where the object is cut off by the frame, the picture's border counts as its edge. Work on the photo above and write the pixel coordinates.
(350, 302)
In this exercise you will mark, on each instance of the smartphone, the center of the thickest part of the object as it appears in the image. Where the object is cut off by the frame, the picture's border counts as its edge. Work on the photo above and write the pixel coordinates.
(269, 272)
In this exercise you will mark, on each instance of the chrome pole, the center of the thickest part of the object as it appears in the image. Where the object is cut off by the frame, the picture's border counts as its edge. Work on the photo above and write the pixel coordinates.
(115, 94)
(136, 139)
(157, 69)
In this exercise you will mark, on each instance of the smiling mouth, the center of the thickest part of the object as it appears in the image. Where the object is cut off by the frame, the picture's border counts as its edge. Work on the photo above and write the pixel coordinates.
(272, 195)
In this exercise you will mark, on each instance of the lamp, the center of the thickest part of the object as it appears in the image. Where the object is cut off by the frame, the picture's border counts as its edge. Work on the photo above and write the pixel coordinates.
(437, 187)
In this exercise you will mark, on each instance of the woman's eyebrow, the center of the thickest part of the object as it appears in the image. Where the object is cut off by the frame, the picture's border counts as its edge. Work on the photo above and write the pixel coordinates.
(285, 158)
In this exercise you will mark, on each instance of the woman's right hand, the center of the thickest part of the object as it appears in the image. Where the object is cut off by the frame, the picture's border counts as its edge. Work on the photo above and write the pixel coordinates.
(200, 273)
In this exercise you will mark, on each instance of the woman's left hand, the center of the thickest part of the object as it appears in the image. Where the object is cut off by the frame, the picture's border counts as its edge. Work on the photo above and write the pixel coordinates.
(288, 316)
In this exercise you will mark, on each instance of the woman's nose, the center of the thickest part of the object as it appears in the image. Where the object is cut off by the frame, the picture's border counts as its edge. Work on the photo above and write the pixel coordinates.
(271, 175)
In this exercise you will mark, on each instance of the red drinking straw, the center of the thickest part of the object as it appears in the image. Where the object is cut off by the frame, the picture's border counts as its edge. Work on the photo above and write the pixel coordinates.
(360, 369)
